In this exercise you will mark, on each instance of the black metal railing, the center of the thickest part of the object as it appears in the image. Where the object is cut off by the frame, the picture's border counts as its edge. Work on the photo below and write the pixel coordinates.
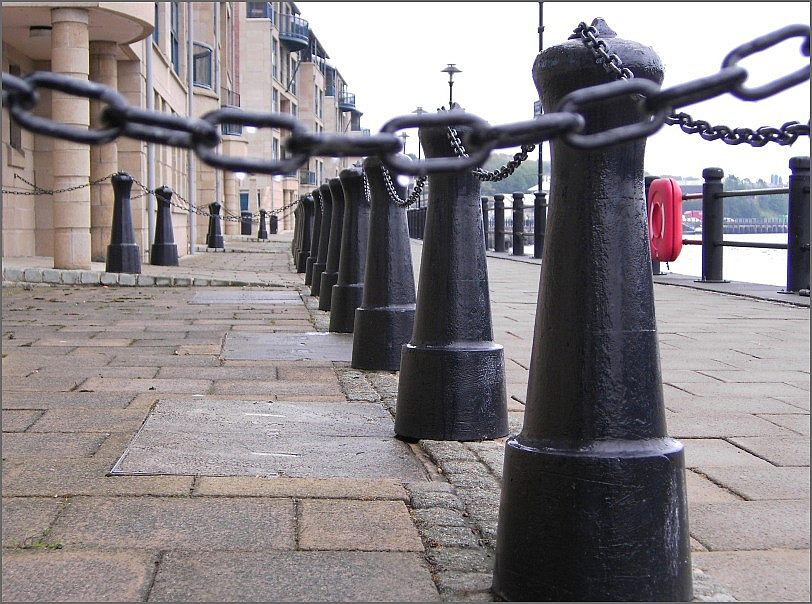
(294, 31)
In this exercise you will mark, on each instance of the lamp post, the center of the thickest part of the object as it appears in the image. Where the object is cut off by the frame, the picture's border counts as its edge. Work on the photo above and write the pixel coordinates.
(404, 136)
(450, 70)
(419, 111)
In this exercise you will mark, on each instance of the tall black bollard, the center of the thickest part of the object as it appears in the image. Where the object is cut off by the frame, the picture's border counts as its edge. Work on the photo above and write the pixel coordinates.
(798, 229)
(274, 224)
(214, 239)
(452, 374)
(539, 222)
(484, 201)
(330, 275)
(306, 233)
(315, 234)
(593, 501)
(384, 321)
(518, 224)
(123, 255)
(712, 225)
(348, 292)
(296, 242)
(324, 238)
(245, 222)
(498, 223)
(163, 251)
(263, 228)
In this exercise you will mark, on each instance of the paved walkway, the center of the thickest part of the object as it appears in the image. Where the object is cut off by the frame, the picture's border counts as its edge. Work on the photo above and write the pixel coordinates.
(156, 447)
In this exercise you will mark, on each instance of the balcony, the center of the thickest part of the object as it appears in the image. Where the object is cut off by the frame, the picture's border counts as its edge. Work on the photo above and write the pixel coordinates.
(346, 102)
(230, 98)
(294, 32)
(306, 177)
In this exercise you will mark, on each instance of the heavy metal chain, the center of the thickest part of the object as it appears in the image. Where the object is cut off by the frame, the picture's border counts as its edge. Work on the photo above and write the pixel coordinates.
(393, 194)
(496, 175)
(787, 134)
(201, 135)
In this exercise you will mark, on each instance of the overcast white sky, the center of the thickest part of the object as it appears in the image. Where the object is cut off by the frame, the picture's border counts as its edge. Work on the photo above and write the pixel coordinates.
(392, 54)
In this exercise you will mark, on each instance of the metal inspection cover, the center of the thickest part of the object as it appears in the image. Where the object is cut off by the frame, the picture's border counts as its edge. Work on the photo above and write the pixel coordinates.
(253, 297)
(217, 437)
(313, 346)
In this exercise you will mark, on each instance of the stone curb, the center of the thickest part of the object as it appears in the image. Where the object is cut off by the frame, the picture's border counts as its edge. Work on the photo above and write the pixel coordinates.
(49, 276)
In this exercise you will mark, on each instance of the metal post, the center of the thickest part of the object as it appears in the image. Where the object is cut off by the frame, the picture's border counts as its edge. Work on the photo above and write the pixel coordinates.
(499, 223)
(798, 237)
(484, 201)
(518, 224)
(539, 222)
(712, 225)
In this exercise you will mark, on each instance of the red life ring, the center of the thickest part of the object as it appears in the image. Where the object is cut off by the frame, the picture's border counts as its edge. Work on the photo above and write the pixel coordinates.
(664, 219)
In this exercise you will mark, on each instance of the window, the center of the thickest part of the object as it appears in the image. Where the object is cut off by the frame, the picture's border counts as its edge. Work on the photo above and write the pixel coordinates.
(292, 66)
(258, 10)
(275, 151)
(174, 36)
(244, 201)
(294, 110)
(14, 131)
(275, 101)
(321, 104)
(156, 33)
(202, 72)
(275, 58)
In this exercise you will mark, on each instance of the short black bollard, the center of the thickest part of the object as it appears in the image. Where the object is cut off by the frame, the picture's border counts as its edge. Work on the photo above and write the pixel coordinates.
(498, 223)
(263, 228)
(214, 238)
(296, 242)
(245, 222)
(593, 504)
(348, 292)
(712, 225)
(123, 254)
(798, 229)
(274, 222)
(452, 374)
(484, 201)
(518, 224)
(315, 233)
(330, 275)
(163, 251)
(384, 321)
(539, 222)
(324, 238)
(306, 233)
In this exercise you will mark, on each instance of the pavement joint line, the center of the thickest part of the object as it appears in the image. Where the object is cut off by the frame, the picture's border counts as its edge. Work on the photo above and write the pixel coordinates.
(728, 439)
(719, 484)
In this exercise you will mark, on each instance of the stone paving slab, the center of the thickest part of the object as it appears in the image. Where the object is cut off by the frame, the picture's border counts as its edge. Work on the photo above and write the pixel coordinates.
(26, 519)
(289, 347)
(177, 523)
(246, 297)
(700, 453)
(17, 445)
(79, 420)
(77, 575)
(762, 483)
(751, 525)
(179, 386)
(300, 488)
(60, 400)
(710, 425)
(796, 422)
(294, 577)
(19, 420)
(793, 451)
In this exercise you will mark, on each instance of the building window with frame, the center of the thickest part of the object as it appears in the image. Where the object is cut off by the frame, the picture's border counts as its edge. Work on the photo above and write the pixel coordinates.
(275, 58)
(15, 133)
(174, 35)
(275, 149)
(259, 10)
(275, 101)
(202, 67)
(156, 33)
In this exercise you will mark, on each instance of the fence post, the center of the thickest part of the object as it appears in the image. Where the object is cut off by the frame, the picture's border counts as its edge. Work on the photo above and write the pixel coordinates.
(484, 201)
(518, 224)
(539, 222)
(498, 223)
(798, 228)
(712, 225)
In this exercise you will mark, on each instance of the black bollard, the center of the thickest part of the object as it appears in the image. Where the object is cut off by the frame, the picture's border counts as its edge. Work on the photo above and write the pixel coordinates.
(539, 222)
(348, 292)
(315, 234)
(245, 222)
(163, 251)
(384, 321)
(498, 223)
(123, 255)
(798, 228)
(324, 238)
(518, 224)
(484, 201)
(263, 229)
(296, 243)
(452, 374)
(593, 501)
(306, 233)
(713, 225)
(330, 275)
(214, 239)
(274, 222)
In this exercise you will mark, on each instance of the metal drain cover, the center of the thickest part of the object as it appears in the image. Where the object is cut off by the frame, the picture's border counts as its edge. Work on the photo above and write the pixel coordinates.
(315, 346)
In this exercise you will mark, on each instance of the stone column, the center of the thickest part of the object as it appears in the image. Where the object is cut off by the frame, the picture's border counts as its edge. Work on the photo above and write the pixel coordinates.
(71, 161)
(103, 158)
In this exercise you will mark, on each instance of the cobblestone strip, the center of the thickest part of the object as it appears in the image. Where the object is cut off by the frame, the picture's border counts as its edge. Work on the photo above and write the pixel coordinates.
(13, 277)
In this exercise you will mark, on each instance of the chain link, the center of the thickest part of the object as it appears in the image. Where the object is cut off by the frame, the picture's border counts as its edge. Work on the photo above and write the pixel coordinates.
(496, 175)
(785, 135)
(201, 136)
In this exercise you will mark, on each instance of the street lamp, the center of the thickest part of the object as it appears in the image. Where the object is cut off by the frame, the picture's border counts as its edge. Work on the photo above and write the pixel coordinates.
(450, 70)
(404, 136)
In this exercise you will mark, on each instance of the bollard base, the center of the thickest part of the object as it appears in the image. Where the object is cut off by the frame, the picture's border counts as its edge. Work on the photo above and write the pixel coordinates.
(301, 264)
(309, 270)
(123, 258)
(345, 300)
(379, 336)
(215, 242)
(603, 522)
(315, 283)
(328, 280)
(454, 393)
(163, 254)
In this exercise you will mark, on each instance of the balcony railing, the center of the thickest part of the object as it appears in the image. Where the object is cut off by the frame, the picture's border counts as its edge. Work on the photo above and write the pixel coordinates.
(307, 177)
(346, 102)
(294, 32)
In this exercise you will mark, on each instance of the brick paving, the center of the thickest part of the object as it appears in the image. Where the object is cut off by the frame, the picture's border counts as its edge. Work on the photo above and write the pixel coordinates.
(85, 366)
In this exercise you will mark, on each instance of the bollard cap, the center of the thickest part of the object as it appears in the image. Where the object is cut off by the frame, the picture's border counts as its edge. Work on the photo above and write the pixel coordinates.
(798, 164)
(713, 173)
